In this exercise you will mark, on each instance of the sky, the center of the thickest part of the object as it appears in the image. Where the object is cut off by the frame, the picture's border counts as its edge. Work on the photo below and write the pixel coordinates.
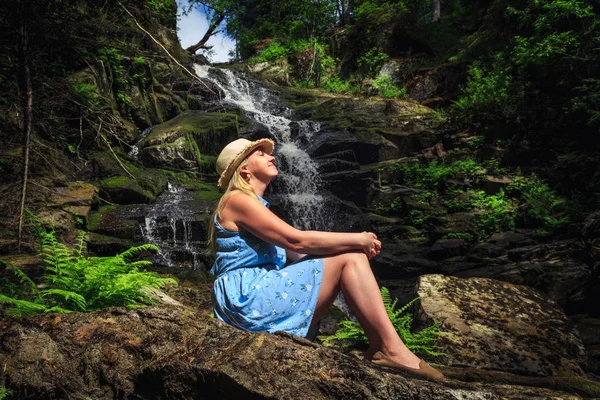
(192, 27)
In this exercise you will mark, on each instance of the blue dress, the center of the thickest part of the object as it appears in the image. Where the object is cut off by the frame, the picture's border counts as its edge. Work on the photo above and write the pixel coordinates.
(255, 291)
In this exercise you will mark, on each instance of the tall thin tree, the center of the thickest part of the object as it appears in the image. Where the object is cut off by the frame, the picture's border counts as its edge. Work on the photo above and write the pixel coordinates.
(25, 67)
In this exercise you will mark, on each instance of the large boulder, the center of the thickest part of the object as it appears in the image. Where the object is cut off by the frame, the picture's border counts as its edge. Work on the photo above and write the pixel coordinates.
(192, 140)
(496, 325)
(175, 352)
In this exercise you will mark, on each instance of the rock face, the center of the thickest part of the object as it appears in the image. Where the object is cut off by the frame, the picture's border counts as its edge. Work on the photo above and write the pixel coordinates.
(189, 141)
(173, 352)
(499, 326)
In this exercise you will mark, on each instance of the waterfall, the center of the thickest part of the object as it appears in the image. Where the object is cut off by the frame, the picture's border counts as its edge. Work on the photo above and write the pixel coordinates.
(135, 149)
(299, 184)
(172, 224)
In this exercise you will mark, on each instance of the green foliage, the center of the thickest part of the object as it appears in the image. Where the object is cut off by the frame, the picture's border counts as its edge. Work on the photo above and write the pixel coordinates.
(434, 173)
(422, 342)
(337, 85)
(543, 204)
(491, 90)
(496, 212)
(4, 392)
(387, 89)
(273, 52)
(371, 61)
(86, 93)
(74, 282)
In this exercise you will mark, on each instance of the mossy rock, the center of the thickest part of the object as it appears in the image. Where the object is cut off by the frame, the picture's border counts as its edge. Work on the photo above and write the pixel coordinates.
(110, 220)
(125, 190)
(193, 138)
(103, 246)
(105, 165)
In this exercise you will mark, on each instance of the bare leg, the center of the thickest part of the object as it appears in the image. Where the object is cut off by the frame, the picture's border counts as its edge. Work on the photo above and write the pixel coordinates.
(352, 273)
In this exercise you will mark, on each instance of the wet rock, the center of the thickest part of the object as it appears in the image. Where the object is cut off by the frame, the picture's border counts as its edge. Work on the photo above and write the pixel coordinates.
(495, 325)
(125, 190)
(589, 330)
(75, 193)
(57, 220)
(193, 139)
(405, 259)
(493, 184)
(510, 240)
(105, 246)
(438, 83)
(444, 248)
(591, 226)
(173, 352)
(488, 250)
(565, 281)
(117, 221)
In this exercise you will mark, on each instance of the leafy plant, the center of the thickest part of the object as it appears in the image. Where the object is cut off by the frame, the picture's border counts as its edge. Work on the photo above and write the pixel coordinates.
(371, 61)
(387, 89)
(4, 392)
(543, 204)
(422, 342)
(336, 84)
(74, 282)
(274, 51)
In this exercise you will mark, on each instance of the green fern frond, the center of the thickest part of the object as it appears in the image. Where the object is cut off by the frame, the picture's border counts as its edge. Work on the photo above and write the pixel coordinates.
(422, 342)
(24, 279)
(78, 283)
(22, 307)
(4, 392)
(66, 297)
(138, 249)
(80, 245)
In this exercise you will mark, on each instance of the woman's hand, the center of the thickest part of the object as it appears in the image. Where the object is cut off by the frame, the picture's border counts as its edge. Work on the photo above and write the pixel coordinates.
(370, 245)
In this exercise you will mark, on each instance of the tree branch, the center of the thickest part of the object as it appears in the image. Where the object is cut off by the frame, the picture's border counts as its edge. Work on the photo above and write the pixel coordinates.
(166, 51)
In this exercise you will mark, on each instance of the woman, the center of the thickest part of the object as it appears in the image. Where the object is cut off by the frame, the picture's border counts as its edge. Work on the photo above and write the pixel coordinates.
(255, 290)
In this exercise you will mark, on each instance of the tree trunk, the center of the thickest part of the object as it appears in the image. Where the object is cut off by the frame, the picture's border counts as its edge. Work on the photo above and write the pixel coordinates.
(27, 118)
(211, 30)
(345, 12)
(436, 11)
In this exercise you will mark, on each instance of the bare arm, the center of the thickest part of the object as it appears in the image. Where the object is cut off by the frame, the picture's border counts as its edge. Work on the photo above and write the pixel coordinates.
(249, 213)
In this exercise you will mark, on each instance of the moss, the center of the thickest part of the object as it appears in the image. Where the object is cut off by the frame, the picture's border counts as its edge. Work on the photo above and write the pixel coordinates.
(211, 131)
(124, 190)
(95, 218)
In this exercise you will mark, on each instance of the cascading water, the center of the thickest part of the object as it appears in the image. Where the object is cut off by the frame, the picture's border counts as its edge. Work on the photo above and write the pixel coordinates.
(172, 224)
(299, 183)
(135, 149)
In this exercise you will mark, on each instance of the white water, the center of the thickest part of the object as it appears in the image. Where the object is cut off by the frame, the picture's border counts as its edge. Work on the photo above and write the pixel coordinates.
(135, 149)
(170, 224)
(299, 182)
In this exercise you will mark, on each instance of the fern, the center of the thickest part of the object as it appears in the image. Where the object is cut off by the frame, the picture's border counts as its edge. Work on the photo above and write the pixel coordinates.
(74, 282)
(422, 342)
(4, 392)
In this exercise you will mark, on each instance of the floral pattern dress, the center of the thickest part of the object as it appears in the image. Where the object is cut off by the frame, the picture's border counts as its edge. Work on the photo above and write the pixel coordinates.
(255, 291)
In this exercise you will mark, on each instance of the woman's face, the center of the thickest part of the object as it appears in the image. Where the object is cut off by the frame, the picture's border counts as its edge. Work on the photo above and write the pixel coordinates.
(261, 165)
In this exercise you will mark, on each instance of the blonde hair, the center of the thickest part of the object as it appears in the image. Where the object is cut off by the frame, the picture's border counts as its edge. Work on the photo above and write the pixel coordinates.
(236, 184)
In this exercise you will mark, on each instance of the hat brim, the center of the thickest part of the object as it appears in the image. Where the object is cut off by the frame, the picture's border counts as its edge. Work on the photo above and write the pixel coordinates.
(268, 146)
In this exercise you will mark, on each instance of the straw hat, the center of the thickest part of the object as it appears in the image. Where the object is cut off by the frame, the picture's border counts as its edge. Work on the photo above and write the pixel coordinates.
(234, 153)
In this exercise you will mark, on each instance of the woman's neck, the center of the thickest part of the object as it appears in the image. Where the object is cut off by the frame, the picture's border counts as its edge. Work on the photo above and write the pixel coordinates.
(259, 187)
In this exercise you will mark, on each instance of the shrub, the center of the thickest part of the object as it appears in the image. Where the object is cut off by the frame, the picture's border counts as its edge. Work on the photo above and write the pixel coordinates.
(74, 282)
(386, 89)
(274, 51)
(489, 90)
(336, 84)
(422, 342)
(4, 392)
